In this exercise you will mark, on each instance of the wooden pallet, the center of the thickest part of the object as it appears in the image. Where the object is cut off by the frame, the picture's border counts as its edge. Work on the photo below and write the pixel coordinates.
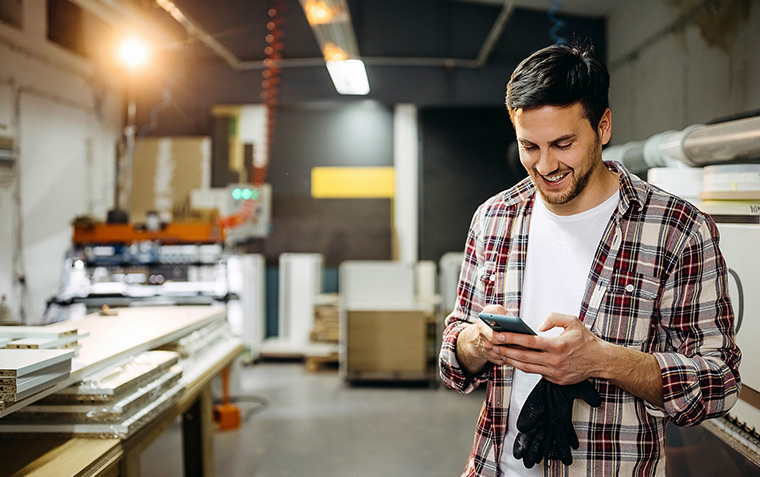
(319, 363)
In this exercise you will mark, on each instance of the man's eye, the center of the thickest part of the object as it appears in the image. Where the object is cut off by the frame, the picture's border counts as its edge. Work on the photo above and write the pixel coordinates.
(564, 146)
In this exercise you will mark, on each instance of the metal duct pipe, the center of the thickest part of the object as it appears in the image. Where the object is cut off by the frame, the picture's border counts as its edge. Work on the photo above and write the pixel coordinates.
(493, 36)
(697, 145)
(730, 141)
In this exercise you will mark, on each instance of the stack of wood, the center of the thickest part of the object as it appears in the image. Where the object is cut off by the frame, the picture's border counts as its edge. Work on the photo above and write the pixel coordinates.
(34, 358)
(200, 340)
(112, 403)
(41, 337)
(322, 352)
(326, 322)
(24, 372)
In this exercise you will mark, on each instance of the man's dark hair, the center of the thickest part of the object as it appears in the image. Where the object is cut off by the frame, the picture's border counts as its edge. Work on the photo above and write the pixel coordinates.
(560, 75)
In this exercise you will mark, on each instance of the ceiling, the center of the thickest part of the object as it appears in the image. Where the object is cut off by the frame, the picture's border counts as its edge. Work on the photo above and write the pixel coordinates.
(407, 32)
(431, 53)
(591, 8)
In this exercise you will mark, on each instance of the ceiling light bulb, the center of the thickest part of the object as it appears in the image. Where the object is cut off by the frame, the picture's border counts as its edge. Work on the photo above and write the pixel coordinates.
(133, 52)
(333, 52)
(318, 13)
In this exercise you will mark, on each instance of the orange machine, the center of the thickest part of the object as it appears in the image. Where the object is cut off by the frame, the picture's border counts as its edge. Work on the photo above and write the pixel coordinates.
(170, 234)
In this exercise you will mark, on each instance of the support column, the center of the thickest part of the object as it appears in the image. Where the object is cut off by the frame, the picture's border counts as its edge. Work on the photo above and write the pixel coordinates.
(406, 198)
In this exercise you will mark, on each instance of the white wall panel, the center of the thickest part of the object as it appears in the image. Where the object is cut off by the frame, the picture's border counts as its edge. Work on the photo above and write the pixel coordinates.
(66, 117)
(54, 140)
(7, 233)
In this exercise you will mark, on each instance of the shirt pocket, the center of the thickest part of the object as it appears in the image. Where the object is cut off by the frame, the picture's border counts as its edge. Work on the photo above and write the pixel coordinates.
(628, 308)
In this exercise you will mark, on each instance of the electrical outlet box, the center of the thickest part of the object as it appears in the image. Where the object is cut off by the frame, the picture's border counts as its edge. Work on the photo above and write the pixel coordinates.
(253, 204)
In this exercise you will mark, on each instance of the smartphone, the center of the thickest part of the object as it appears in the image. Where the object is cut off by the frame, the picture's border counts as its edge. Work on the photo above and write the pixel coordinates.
(511, 324)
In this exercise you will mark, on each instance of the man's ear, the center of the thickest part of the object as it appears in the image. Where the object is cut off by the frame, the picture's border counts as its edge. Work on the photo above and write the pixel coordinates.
(604, 130)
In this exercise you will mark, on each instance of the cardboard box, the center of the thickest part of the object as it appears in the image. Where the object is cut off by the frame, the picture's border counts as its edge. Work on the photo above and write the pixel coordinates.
(392, 342)
(164, 172)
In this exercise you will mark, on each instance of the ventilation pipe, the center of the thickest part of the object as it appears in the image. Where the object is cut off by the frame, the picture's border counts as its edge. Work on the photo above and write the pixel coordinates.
(697, 145)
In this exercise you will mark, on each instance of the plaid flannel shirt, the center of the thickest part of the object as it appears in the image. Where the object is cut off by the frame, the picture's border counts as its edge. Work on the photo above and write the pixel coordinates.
(658, 284)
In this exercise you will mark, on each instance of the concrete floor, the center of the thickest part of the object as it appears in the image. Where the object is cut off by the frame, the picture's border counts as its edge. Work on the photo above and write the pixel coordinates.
(314, 424)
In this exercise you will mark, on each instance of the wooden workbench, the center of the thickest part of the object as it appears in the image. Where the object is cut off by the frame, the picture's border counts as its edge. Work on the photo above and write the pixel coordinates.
(112, 339)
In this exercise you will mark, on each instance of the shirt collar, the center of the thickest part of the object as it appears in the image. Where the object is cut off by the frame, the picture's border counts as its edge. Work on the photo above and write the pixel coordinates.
(633, 190)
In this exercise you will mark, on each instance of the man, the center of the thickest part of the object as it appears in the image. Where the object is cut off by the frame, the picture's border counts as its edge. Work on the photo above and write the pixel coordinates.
(623, 282)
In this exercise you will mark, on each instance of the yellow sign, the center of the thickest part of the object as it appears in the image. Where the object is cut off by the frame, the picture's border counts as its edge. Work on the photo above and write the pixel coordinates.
(352, 182)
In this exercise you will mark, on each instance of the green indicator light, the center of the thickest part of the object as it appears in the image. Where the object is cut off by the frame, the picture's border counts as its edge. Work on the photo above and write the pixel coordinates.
(236, 193)
(246, 194)
(255, 194)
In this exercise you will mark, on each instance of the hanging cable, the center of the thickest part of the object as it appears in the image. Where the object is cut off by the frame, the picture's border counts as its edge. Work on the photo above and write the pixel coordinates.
(557, 24)
(270, 85)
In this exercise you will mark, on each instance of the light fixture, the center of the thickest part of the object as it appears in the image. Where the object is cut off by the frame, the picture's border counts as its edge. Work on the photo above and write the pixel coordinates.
(331, 23)
(348, 76)
(133, 53)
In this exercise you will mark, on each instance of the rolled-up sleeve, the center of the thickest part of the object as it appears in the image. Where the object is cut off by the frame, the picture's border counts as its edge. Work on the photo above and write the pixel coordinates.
(700, 366)
(470, 301)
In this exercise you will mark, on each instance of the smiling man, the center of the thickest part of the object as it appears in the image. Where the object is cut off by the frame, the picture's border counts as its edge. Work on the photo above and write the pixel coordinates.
(562, 155)
(624, 284)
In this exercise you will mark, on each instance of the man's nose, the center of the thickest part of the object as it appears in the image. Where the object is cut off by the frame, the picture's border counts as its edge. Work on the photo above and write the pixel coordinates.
(546, 163)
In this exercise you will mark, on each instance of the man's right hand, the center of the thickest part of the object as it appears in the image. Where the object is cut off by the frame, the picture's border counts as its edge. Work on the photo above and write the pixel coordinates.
(478, 344)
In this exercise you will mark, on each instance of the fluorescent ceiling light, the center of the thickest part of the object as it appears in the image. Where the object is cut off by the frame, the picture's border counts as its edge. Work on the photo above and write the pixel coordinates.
(349, 76)
(331, 23)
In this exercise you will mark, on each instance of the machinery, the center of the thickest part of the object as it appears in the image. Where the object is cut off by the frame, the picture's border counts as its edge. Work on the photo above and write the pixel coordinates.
(185, 263)
(121, 264)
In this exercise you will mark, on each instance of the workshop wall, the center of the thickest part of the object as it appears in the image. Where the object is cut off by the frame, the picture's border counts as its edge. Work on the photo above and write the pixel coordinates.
(670, 68)
(463, 162)
(328, 135)
(65, 118)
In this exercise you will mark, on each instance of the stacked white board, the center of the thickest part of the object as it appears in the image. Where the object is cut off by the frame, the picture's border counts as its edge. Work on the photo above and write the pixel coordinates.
(24, 372)
(40, 337)
(111, 403)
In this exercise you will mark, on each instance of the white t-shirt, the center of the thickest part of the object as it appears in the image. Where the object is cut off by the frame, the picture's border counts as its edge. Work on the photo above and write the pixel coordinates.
(560, 252)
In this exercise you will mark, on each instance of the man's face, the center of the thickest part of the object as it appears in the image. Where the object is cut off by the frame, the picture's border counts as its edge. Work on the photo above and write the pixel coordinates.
(563, 156)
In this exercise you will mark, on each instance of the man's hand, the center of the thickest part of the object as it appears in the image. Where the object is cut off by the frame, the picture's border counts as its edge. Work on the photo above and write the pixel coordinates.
(568, 358)
(573, 356)
(478, 344)
(577, 354)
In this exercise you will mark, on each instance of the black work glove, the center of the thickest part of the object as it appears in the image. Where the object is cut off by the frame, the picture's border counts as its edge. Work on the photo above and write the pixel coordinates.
(533, 442)
(545, 422)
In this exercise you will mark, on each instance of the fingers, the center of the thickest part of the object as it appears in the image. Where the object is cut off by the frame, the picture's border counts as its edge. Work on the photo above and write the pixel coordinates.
(559, 319)
(476, 339)
(534, 408)
(561, 442)
(491, 344)
(534, 454)
(498, 309)
(521, 446)
(548, 442)
(572, 436)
